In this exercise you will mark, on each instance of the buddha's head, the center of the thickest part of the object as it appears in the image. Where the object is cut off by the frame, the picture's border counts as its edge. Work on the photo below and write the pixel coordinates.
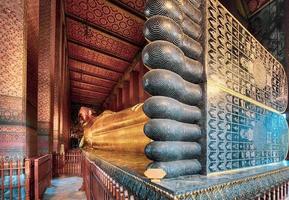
(85, 115)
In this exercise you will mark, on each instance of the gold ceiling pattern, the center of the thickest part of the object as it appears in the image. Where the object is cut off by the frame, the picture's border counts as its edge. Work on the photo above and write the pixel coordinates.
(108, 16)
(104, 37)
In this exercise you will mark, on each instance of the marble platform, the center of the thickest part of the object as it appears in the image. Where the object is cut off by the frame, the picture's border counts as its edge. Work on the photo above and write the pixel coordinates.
(247, 183)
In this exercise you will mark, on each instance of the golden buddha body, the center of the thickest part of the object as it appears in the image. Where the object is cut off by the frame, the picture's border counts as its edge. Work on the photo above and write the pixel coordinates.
(115, 131)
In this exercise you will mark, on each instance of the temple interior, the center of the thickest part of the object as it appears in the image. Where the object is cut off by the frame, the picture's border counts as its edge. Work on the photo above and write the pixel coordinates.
(144, 99)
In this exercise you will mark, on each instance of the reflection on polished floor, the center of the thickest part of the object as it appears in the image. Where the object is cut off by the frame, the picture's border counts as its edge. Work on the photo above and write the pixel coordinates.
(65, 188)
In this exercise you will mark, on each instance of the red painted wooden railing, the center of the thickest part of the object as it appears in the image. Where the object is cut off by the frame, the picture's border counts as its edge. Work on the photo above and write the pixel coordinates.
(99, 185)
(12, 179)
(23, 179)
(42, 174)
(29, 178)
(85, 166)
(68, 164)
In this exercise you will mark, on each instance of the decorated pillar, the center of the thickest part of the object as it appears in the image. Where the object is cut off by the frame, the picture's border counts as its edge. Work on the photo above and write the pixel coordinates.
(45, 75)
(133, 88)
(113, 102)
(125, 95)
(57, 78)
(32, 74)
(64, 95)
(17, 103)
(141, 91)
(119, 99)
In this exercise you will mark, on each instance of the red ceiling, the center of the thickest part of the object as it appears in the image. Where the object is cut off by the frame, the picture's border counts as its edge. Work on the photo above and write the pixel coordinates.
(90, 79)
(88, 93)
(104, 37)
(135, 4)
(81, 53)
(108, 16)
(93, 70)
(100, 41)
(91, 87)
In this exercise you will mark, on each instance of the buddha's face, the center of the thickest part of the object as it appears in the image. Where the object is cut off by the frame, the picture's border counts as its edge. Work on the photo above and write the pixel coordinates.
(85, 114)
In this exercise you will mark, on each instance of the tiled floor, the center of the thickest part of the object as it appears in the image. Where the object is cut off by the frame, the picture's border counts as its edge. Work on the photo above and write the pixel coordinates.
(65, 188)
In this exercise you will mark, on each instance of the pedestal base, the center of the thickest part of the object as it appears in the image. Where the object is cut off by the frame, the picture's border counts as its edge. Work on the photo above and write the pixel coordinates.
(257, 182)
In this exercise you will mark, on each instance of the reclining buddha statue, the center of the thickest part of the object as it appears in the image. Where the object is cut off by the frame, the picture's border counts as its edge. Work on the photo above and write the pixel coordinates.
(217, 95)
(214, 122)
(115, 131)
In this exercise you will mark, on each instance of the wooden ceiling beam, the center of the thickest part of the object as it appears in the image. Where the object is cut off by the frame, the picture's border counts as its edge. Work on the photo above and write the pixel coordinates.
(87, 82)
(91, 87)
(97, 49)
(76, 89)
(91, 63)
(76, 52)
(91, 74)
(128, 8)
(88, 94)
(87, 101)
(94, 66)
(82, 101)
(82, 96)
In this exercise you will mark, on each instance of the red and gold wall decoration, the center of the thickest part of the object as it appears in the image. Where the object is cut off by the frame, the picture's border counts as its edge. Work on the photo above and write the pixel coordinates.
(17, 113)
(12, 48)
(31, 112)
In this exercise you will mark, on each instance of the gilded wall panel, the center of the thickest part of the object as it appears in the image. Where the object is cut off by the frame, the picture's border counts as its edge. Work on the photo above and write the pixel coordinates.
(13, 140)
